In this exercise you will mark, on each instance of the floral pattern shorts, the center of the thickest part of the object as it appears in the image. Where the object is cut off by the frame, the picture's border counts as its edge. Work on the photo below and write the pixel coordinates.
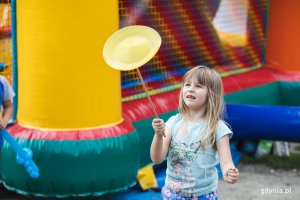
(169, 194)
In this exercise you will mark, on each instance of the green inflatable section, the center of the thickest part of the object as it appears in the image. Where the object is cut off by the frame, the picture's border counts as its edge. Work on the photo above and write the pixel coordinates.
(74, 168)
(97, 167)
(275, 93)
(146, 133)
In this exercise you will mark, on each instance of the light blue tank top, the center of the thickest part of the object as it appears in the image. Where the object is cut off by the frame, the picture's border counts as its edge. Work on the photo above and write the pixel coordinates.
(190, 169)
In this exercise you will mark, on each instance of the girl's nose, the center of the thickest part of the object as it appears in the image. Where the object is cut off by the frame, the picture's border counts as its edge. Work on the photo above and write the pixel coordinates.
(192, 89)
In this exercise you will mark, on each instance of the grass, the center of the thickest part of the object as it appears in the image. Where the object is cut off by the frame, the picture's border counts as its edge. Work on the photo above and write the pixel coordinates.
(297, 148)
(276, 162)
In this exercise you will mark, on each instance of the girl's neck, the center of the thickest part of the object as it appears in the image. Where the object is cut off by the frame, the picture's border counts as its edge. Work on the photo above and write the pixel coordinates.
(195, 116)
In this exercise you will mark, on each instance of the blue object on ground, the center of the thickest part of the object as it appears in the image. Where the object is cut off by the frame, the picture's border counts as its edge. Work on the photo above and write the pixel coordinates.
(264, 122)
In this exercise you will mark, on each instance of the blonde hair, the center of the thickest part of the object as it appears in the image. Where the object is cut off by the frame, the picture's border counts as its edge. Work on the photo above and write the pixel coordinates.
(214, 105)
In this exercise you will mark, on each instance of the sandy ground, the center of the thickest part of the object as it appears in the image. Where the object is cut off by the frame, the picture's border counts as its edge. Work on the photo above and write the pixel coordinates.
(257, 182)
(260, 182)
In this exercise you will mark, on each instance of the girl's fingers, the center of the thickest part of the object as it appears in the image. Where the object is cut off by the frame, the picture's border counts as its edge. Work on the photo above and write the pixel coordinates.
(155, 123)
(232, 175)
(159, 126)
(231, 181)
(233, 178)
(228, 180)
(233, 171)
(157, 120)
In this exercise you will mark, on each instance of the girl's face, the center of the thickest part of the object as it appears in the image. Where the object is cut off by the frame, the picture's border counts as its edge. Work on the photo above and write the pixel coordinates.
(194, 94)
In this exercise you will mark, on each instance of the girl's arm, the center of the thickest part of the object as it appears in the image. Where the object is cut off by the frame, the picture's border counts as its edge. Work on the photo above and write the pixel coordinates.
(230, 172)
(7, 112)
(160, 144)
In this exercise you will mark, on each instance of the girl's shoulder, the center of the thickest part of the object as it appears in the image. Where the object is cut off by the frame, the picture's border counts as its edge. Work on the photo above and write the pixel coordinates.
(3, 79)
(173, 120)
(223, 123)
(223, 128)
(177, 116)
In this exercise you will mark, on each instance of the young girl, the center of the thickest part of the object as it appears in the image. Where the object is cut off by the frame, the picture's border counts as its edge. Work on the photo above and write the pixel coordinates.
(193, 139)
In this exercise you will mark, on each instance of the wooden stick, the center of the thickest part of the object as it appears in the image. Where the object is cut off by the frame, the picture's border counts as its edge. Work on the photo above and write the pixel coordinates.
(145, 89)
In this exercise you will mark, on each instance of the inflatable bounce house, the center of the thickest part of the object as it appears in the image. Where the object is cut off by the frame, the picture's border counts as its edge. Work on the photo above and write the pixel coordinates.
(87, 127)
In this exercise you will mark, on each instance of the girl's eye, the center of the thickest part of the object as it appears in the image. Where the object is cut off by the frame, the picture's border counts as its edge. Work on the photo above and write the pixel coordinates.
(199, 86)
(187, 84)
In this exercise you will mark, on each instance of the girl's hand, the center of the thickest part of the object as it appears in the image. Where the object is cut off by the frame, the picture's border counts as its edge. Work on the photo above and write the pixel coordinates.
(159, 126)
(231, 175)
(3, 123)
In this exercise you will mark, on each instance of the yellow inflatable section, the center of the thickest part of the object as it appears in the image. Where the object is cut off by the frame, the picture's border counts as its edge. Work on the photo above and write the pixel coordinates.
(65, 83)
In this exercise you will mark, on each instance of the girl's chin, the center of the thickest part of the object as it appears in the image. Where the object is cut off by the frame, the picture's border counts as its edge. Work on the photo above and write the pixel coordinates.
(190, 105)
(190, 102)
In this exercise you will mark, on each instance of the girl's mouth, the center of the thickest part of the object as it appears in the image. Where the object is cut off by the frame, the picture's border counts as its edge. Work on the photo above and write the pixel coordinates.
(190, 97)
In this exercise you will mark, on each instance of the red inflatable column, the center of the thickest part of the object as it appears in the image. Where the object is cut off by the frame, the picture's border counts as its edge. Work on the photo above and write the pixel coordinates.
(283, 38)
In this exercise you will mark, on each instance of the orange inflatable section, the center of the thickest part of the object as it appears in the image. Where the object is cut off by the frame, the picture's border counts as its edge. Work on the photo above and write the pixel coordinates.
(283, 39)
